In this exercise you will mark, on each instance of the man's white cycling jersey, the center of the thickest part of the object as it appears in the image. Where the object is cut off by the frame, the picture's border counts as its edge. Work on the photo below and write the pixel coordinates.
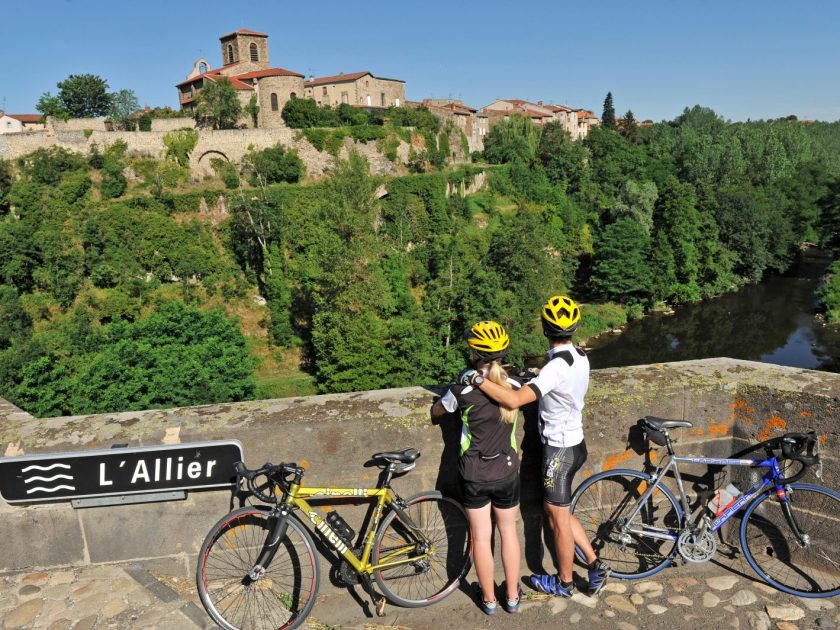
(560, 388)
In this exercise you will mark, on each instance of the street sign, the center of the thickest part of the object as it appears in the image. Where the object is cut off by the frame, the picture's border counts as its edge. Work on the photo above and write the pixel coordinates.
(119, 471)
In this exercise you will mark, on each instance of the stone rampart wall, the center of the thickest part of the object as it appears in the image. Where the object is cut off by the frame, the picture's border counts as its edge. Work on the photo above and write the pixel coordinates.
(229, 144)
(730, 402)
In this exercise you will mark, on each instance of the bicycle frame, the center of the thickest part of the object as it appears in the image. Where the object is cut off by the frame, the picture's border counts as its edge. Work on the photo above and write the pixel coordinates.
(383, 497)
(770, 478)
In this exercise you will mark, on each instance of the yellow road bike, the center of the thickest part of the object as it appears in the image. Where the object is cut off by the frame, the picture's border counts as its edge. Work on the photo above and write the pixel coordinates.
(258, 569)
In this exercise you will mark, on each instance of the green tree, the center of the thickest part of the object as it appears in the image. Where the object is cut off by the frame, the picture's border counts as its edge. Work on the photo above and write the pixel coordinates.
(84, 96)
(677, 215)
(253, 110)
(629, 128)
(124, 106)
(273, 165)
(608, 115)
(5, 186)
(512, 140)
(51, 106)
(301, 113)
(620, 269)
(179, 144)
(14, 321)
(564, 160)
(177, 356)
(217, 105)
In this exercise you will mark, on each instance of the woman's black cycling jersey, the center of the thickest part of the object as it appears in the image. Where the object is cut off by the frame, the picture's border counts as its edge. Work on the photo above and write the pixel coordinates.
(488, 445)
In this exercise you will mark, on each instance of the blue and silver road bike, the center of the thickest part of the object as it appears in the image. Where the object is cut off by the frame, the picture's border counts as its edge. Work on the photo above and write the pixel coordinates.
(789, 532)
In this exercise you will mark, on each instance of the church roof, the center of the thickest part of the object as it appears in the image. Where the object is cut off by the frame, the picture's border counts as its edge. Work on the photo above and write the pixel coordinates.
(244, 31)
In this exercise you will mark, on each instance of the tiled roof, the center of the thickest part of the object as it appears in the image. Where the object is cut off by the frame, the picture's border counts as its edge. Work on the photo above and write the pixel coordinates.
(213, 75)
(341, 78)
(26, 118)
(558, 108)
(244, 31)
(270, 72)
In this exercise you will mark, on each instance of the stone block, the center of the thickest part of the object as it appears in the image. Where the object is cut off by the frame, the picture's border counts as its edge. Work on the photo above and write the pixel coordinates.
(41, 537)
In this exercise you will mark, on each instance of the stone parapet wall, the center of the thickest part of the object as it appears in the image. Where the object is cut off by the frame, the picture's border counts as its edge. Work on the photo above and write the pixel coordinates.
(229, 144)
(730, 402)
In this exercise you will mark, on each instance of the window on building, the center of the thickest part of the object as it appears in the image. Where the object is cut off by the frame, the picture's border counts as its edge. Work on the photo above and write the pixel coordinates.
(396, 102)
(368, 100)
(324, 92)
(382, 99)
(202, 67)
(292, 96)
(255, 54)
(345, 97)
(274, 105)
(230, 53)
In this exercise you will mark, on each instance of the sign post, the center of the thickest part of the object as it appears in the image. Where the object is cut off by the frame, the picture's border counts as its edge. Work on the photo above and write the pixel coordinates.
(126, 475)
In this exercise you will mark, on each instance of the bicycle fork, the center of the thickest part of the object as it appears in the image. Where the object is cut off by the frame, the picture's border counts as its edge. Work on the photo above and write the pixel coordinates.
(279, 523)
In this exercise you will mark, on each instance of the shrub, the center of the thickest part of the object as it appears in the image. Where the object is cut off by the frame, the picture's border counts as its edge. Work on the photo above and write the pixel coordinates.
(179, 145)
(274, 165)
(300, 113)
(226, 171)
(144, 122)
(316, 136)
(366, 133)
(48, 166)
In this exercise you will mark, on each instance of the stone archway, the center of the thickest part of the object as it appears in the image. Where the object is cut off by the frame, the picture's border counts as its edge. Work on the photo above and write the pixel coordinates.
(203, 164)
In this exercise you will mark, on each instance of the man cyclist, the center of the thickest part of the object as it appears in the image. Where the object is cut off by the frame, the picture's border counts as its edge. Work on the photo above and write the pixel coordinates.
(560, 388)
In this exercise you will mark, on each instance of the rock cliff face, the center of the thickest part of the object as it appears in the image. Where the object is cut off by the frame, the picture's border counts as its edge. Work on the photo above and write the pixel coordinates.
(731, 403)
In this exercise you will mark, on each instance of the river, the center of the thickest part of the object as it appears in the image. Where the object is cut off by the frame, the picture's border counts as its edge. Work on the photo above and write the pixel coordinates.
(771, 322)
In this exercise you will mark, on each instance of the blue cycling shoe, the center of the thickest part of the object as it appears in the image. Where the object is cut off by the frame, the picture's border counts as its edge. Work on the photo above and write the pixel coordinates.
(598, 574)
(488, 608)
(551, 585)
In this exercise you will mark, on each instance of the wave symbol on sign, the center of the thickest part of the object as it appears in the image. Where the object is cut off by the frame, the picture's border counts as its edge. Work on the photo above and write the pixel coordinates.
(41, 478)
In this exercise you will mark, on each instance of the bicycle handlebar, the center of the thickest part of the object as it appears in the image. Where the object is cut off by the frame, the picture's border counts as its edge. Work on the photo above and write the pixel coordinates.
(275, 474)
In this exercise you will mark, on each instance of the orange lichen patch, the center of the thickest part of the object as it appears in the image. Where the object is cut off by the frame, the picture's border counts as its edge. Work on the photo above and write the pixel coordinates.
(655, 455)
(587, 473)
(696, 431)
(615, 460)
(741, 405)
(822, 440)
(805, 414)
(304, 463)
(772, 423)
(718, 430)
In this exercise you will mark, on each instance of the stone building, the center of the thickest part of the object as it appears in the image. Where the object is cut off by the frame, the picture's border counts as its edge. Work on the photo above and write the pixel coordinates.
(473, 123)
(577, 122)
(15, 123)
(360, 89)
(246, 65)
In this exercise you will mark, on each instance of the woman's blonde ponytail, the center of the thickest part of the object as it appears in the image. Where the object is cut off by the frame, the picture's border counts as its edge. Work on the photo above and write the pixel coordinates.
(497, 374)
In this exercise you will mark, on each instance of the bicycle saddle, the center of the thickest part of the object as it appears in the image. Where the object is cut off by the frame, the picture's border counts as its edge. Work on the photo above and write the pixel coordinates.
(661, 423)
(405, 456)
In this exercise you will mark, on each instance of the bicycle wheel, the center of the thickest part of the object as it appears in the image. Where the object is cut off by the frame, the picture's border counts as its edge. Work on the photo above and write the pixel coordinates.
(603, 504)
(282, 598)
(428, 571)
(773, 551)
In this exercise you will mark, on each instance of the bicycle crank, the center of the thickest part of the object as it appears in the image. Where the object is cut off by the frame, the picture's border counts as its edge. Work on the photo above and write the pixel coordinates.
(696, 547)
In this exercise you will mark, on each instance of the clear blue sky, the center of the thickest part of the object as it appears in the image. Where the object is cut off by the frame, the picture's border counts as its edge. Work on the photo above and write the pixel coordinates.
(744, 59)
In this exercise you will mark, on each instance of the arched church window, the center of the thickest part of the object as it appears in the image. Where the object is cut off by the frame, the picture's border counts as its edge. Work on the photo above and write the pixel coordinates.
(202, 67)
(230, 53)
(292, 96)
(274, 105)
(255, 54)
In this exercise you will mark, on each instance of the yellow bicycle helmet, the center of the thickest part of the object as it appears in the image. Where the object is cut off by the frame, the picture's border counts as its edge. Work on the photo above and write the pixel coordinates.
(488, 340)
(560, 317)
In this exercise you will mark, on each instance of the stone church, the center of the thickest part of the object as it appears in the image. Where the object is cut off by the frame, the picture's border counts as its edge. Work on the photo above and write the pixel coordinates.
(246, 65)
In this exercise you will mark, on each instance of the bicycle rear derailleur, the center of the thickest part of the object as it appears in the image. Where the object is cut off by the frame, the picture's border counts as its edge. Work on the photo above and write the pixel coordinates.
(697, 546)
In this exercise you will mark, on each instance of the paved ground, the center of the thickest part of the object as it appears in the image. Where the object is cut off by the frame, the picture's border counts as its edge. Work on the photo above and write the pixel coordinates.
(128, 596)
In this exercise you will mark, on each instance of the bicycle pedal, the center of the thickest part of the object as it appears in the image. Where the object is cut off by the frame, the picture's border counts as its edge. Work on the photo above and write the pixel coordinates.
(379, 604)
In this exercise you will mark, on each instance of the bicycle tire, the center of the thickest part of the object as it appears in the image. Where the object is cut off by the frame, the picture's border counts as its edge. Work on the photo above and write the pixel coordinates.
(282, 598)
(770, 547)
(444, 522)
(599, 502)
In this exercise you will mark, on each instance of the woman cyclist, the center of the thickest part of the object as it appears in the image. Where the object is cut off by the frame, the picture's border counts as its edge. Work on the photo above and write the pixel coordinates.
(489, 463)
(560, 388)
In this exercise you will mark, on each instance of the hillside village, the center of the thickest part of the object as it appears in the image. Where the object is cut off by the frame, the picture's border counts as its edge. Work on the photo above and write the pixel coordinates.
(246, 64)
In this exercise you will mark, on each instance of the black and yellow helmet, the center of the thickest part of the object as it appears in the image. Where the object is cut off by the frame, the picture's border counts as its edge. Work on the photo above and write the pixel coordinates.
(560, 317)
(488, 340)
